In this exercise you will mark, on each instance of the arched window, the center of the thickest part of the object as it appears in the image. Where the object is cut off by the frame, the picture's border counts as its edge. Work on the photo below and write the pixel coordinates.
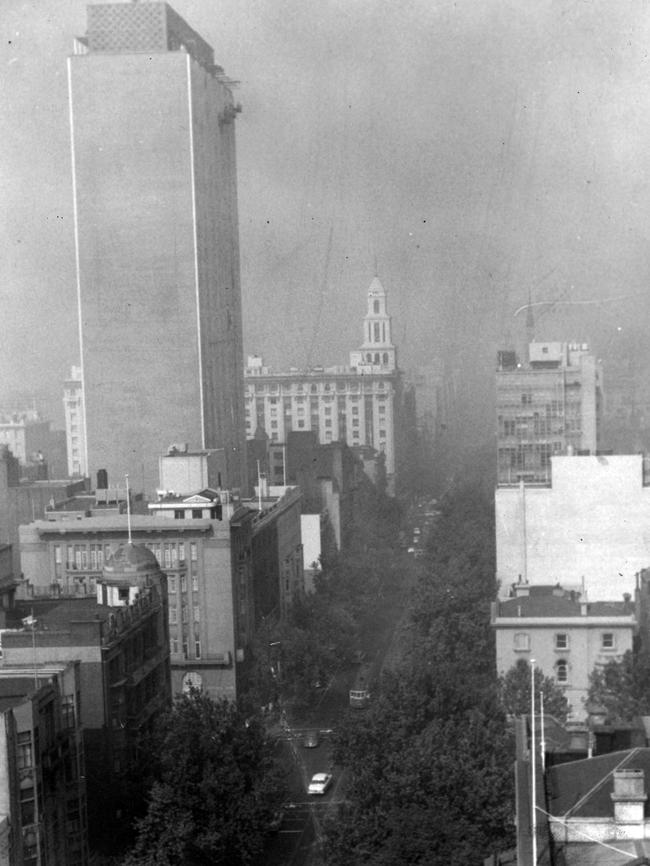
(376, 331)
(369, 358)
(375, 306)
(562, 670)
(376, 357)
(385, 358)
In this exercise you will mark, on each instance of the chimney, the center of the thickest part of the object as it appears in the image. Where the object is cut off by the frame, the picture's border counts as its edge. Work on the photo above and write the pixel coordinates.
(629, 797)
(522, 590)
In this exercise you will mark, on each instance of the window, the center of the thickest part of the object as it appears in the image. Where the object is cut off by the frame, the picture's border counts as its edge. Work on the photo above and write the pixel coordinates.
(562, 671)
(183, 583)
(607, 641)
(193, 551)
(197, 513)
(181, 551)
(197, 649)
(526, 398)
(197, 613)
(171, 584)
(24, 750)
(521, 642)
(173, 614)
(195, 583)
(561, 641)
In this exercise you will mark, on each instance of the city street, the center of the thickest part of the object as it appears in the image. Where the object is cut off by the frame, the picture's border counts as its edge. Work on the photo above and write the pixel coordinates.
(295, 843)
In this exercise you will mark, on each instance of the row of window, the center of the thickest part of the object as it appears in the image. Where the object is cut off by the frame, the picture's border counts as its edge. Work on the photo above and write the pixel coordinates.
(261, 388)
(173, 613)
(185, 647)
(561, 641)
(83, 557)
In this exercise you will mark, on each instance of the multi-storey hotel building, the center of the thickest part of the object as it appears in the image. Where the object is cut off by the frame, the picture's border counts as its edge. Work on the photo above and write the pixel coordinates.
(355, 404)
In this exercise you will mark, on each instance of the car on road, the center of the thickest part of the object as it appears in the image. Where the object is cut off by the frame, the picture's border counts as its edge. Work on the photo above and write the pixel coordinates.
(311, 739)
(319, 784)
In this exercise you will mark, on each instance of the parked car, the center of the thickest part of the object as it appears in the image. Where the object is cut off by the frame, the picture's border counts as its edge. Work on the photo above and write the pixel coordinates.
(311, 739)
(319, 784)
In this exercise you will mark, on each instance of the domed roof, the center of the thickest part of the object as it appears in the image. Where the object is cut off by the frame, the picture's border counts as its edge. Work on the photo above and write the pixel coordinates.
(129, 558)
(376, 288)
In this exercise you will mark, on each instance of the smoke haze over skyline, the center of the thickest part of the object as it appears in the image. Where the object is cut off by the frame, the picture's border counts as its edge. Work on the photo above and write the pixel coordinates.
(475, 152)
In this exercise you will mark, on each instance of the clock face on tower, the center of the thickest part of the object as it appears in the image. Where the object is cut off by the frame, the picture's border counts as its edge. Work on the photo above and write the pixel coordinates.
(192, 680)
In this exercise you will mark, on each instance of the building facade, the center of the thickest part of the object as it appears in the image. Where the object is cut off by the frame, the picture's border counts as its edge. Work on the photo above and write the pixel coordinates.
(566, 635)
(357, 404)
(42, 783)
(547, 406)
(119, 634)
(228, 564)
(156, 231)
(75, 424)
(586, 529)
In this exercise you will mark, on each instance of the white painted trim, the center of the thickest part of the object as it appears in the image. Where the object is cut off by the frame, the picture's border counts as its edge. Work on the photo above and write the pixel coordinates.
(75, 219)
(196, 245)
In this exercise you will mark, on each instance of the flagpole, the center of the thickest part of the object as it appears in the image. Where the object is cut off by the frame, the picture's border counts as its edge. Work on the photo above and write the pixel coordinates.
(128, 507)
(533, 760)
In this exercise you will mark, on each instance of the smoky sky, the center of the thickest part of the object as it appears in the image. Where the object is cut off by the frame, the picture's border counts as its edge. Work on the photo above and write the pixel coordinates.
(469, 153)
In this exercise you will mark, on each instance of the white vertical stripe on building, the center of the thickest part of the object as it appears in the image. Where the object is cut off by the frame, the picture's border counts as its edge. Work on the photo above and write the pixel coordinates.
(196, 244)
(75, 220)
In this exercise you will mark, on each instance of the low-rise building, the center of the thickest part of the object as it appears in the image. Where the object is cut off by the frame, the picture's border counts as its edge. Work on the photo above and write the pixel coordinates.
(565, 634)
(42, 783)
(120, 637)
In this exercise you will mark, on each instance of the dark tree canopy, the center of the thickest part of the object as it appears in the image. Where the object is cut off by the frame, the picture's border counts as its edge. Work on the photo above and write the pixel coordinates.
(430, 760)
(622, 686)
(214, 790)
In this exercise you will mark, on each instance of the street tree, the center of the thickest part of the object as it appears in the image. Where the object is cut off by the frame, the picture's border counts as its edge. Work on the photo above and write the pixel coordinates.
(515, 686)
(622, 686)
(215, 787)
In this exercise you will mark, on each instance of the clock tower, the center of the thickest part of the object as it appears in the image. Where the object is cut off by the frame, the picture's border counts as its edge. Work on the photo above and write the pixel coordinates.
(377, 352)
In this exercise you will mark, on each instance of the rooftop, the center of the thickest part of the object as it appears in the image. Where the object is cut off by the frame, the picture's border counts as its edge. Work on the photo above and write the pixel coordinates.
(539, 604)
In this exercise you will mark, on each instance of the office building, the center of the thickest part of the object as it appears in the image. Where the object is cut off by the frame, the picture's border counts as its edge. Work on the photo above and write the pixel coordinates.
(156, 232)
(548, 405)
(358, 404)
(228, 565)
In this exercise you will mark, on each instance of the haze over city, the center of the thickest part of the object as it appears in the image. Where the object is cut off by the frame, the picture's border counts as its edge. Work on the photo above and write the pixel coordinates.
(470, 153)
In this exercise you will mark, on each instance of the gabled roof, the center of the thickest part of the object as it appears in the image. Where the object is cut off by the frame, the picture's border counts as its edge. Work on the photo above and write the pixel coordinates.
(204, 497)
(583, 788)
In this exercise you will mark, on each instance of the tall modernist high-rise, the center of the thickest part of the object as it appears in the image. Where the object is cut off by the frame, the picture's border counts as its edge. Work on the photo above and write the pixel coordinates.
(155, 208)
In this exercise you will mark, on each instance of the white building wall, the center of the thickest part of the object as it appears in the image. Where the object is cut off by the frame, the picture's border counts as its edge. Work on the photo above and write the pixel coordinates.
(592, 524)
(583, 652)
